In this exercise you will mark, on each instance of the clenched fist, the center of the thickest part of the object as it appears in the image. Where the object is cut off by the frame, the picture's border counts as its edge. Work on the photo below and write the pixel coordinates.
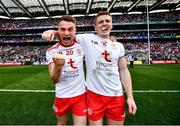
(59, 60)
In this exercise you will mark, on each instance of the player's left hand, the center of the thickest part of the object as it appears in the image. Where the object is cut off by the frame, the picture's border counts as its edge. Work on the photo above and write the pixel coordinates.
(132, 108)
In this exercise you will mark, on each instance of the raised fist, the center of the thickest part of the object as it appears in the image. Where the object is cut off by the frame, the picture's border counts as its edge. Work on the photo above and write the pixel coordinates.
(59, 60)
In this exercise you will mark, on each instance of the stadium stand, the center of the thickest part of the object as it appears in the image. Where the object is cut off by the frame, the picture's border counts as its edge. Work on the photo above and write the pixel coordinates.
(21, 39)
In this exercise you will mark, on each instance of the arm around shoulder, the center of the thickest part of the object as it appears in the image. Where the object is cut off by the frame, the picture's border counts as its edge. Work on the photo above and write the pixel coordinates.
(50, 34)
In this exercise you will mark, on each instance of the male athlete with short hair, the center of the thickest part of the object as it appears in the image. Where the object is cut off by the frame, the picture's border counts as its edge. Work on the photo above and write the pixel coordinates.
(66, 70)
(107, 74)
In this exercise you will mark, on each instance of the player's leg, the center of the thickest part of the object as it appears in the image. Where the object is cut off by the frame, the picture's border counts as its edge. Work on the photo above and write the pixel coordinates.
(60, 108)
(61, 120)
(98, 122)
(79, 110)
(113, 122)
(115, 111)
(79, 120)
(96, 106)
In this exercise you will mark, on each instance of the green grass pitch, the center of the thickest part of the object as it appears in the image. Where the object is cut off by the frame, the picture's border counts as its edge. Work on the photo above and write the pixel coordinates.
(35, 108)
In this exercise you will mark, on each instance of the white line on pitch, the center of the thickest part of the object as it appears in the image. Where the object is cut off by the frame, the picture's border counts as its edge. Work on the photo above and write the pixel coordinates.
(138, 91)
(151, 91)
(11, 90)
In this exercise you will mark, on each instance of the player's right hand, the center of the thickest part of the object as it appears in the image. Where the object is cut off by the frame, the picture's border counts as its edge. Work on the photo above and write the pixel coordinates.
(49, 35)
(59, 60)
(113, 38)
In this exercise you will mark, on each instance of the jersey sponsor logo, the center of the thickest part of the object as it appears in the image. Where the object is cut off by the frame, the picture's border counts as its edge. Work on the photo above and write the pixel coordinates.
(70, 73)
(106, 56)
(103, 65)
(71, 62)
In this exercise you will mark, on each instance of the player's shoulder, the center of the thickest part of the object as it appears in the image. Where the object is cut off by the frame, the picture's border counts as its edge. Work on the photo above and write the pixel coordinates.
(120, 44)
(84, 35)
(76, 45)
(56, 46)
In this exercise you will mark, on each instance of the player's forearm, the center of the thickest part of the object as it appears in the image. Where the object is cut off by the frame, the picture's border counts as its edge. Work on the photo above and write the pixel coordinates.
(127, 83)
(55, 73)
(55, 67)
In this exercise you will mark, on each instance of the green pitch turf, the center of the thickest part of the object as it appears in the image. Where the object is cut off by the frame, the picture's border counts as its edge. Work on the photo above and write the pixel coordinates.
(35, 108)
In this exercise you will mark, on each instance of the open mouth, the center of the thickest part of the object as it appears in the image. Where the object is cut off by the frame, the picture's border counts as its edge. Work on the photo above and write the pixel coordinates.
(67, 39)
(104, 29)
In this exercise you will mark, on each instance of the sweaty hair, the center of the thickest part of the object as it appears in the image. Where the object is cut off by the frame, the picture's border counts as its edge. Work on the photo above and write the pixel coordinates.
(68, 18)
(100, 13)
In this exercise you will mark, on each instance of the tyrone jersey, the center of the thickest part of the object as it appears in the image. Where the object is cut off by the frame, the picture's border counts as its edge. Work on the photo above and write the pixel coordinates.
(101, 56)
(72, 82)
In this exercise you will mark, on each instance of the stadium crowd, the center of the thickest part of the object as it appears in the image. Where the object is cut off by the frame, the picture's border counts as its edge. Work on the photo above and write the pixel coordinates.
(88, 20)
(131, 35)
(27, 54)
(159, 51)
(134, 37)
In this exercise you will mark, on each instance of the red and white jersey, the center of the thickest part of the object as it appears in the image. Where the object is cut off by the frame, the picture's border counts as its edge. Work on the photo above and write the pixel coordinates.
(101, 56)
(72, 81)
